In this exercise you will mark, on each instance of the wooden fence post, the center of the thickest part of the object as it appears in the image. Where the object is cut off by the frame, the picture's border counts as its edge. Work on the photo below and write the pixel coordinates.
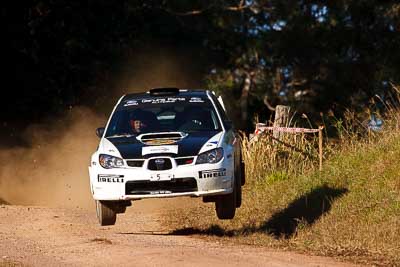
(320, 136)
(281, 119)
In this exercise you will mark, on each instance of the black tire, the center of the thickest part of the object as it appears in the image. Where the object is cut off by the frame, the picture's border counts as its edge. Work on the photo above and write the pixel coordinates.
(225, 205)
(238, 184)
(238, 193)
(105, 213)
(243, 173)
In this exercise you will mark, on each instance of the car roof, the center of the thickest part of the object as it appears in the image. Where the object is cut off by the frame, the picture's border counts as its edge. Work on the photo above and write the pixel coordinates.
(180, 92)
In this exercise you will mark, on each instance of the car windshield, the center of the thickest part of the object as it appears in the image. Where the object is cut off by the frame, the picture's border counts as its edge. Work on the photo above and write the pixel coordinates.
(170, 114)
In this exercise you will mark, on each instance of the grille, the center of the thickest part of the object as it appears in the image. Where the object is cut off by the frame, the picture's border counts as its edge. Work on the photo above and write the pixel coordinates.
(161, 187)
(135, 163)
(184, 161)
(159, 164)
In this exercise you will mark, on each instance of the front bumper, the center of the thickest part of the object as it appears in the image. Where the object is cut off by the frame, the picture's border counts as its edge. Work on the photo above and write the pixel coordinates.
(170, 195)
(119, 183)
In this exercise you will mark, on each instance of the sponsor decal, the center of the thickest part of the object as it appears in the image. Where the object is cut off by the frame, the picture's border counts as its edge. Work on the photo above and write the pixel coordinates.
(196, 100)
(106, 178)
(212, 173)
(212, 144)
(159, 149)
(163, 100)
(157, 142)
(131, 103)
(162, 192)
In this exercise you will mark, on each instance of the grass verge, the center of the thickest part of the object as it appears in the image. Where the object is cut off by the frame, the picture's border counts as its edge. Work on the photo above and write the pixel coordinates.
(350, 210)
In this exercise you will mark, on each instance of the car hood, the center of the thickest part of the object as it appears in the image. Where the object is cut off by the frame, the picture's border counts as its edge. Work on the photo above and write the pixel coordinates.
(190, 145)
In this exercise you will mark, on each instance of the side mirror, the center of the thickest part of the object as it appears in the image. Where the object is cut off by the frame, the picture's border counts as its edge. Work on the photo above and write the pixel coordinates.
(100, 132)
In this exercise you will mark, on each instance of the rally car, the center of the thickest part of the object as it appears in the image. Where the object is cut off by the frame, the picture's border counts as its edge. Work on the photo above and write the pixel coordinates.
(167, 142)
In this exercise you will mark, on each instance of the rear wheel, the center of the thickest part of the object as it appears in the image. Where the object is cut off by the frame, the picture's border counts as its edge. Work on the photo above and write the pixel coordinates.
(243, 173)
(238, 182)
(105, 213)
(238, 194)
(225, 205)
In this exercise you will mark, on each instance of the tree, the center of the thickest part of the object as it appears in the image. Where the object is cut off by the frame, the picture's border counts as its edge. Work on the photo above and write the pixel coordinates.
(313, 55)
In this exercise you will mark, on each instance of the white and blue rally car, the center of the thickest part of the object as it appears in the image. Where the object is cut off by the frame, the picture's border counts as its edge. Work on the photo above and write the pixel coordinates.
(167, 142)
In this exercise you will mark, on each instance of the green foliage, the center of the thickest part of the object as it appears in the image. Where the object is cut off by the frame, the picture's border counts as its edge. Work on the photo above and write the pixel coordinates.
(314, 55)
(277, 176)
(295, 56)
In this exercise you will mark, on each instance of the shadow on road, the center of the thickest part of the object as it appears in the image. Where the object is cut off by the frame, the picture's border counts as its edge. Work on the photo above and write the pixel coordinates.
(304, 210)
(163, 233)
(215, 230)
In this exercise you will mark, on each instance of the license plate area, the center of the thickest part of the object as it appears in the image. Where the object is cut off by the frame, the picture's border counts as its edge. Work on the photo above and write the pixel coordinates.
(161, 177)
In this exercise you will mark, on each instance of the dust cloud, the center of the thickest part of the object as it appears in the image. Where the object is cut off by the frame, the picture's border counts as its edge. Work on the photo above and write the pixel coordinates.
(52, 171)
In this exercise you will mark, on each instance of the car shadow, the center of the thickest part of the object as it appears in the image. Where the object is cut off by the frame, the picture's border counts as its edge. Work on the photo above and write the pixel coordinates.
(305, 210)
(213, 230)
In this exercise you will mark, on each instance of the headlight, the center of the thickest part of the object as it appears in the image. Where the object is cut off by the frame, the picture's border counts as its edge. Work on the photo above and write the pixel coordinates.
(211, 156)
(108, 162)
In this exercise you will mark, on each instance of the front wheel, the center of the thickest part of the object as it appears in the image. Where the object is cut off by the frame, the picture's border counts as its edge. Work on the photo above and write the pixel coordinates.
(105, 213)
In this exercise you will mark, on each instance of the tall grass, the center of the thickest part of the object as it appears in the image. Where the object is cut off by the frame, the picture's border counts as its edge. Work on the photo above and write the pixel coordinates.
(350, 210)
(272, 159)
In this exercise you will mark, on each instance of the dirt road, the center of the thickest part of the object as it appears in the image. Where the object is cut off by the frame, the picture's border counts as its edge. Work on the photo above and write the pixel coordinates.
(42, 236)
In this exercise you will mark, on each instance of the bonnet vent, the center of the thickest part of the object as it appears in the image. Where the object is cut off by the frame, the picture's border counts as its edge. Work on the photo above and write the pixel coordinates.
(161, 138)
